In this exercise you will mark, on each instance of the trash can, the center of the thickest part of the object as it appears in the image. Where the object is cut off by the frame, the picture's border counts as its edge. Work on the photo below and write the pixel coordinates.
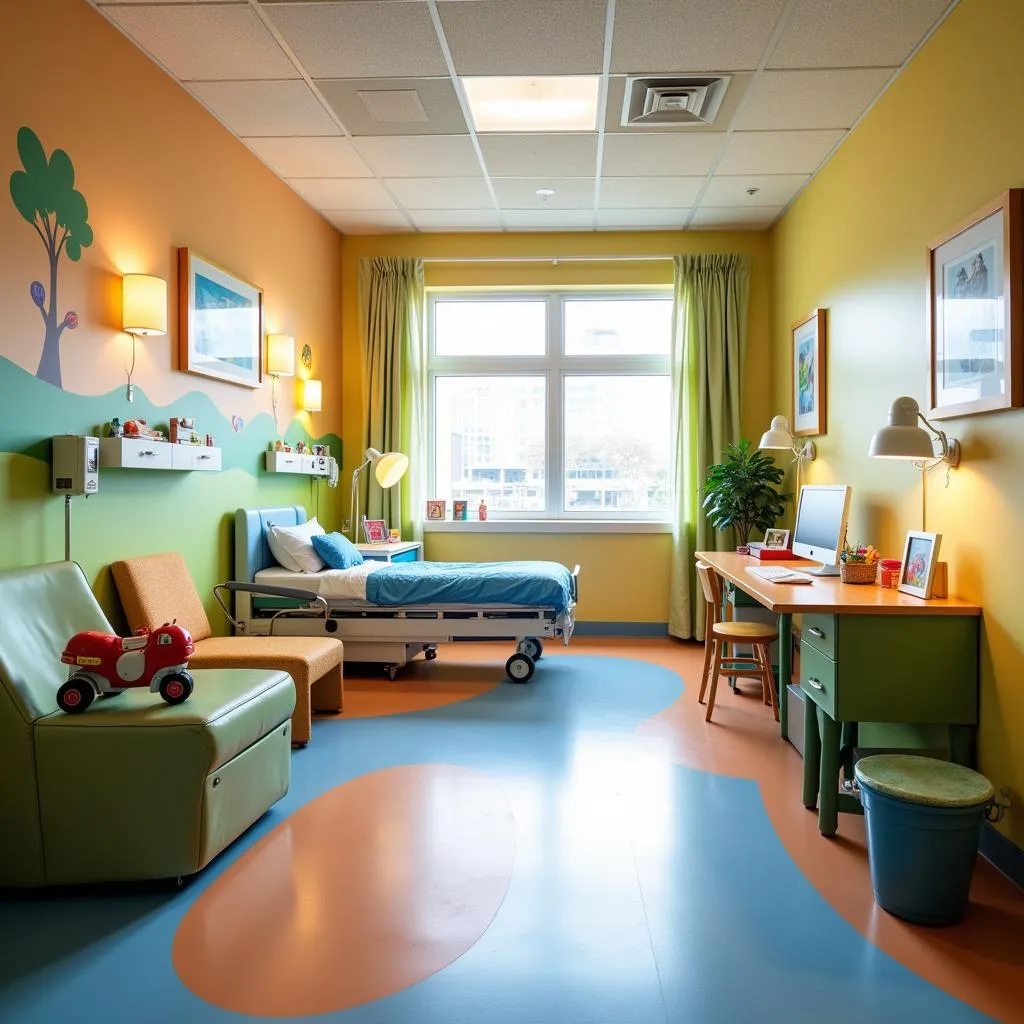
(923, 821)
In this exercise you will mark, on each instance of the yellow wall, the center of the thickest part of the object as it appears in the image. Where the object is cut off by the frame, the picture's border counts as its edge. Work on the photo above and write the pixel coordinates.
(602, 556)
(157, 172)
(855, 242)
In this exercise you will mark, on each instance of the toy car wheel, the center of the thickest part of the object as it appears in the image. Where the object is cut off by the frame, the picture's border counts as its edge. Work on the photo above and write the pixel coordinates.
(176, 688)
(519, 668)
(531, 647)
(430, 653)
(75, 696)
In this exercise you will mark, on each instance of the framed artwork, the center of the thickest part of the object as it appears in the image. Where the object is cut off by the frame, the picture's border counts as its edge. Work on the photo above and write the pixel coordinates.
(221, 323)
(920, 556)
(975, 295)
(375, 531)
(776, 540)
(809, 375)
(436, 508)
(460, 508)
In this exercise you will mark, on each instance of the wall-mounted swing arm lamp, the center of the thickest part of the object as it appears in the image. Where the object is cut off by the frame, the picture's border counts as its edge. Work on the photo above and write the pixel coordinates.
(312, 395)
(778, 437)
(388, 469)
(143, 313)
(280, 363)
(904, 439)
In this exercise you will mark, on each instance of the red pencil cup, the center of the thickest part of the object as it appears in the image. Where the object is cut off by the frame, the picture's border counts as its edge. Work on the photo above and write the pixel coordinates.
(890, 574)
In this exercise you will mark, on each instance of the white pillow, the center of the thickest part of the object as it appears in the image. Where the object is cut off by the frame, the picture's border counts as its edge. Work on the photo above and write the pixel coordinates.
(292, 546)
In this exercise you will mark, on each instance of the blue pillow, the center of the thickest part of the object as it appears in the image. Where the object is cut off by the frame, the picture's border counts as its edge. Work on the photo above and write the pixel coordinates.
(337, 550)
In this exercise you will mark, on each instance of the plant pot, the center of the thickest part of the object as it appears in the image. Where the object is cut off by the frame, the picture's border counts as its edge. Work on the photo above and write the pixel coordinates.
(742, 549)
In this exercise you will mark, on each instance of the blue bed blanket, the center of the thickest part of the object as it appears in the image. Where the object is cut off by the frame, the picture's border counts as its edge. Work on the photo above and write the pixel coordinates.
(536, 584)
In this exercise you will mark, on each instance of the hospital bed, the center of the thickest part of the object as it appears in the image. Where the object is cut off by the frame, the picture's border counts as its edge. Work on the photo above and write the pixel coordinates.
(536, 601)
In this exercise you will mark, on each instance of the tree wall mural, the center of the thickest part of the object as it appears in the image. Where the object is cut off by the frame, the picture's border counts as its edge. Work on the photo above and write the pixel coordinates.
(44, 194)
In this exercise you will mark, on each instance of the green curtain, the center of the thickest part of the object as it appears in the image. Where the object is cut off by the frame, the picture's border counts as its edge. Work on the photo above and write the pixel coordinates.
(709, 339)
(391, 321)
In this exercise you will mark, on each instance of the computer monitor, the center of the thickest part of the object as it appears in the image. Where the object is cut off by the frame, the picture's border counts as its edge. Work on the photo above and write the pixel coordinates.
(821, 526)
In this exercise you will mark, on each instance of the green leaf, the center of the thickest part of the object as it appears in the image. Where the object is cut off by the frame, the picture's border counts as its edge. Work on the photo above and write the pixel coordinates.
(61, 173)
(73, 249)
(24, 195)
(33, 156)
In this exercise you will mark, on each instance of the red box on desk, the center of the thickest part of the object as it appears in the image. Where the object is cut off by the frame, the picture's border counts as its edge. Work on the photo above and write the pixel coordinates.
(773, 554)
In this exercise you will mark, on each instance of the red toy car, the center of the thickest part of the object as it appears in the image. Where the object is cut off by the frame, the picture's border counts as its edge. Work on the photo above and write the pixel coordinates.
(104, 664)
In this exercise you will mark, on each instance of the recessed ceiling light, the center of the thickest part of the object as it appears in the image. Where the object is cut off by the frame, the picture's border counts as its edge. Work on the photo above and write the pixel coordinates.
(521, 104)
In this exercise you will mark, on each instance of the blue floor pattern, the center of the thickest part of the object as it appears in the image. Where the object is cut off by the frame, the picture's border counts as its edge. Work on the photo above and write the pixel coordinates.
(642, 892)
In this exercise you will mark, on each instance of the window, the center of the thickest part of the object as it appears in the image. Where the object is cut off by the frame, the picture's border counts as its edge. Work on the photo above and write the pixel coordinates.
(554, 405)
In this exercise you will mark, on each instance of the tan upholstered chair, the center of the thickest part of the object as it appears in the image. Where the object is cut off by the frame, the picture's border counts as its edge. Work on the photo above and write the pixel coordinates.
(155, 589)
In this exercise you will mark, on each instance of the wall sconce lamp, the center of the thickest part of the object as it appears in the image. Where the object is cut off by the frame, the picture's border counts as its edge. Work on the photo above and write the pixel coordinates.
(904, 439)
(312, 395)
(143, 312)
(779, 437)
(280, 363)
(388, 469)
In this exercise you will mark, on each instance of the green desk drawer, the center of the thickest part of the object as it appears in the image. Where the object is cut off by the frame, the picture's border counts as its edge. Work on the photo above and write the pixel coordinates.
(819, 679)
(819, 631)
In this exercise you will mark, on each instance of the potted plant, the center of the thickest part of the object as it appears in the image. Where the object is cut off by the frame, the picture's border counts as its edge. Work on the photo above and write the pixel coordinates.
(741, 492)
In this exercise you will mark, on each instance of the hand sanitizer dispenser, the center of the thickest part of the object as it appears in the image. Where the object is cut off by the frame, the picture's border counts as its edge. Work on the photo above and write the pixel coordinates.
(76, 464)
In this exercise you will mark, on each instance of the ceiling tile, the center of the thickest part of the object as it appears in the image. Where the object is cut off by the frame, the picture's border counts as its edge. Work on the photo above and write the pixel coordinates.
(456, 220)
(648, 193)
(549, 220)
(738, 217)
(642, 220)
(318, 157)
(810, 99)
(442, 193)
(361, 40)
(217, 42)
(419, 156)
(525, 37)
(675, 154)
(566, 156)
(521, 193)
(343, 193)
(266, 108)
(437, 95)
(368, 222)
(777, 152)
(772, 189)
(854, 33)
(675, 36)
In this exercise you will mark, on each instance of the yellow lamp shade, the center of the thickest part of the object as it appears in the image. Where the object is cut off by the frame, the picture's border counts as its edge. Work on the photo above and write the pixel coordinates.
(388, 468)
(144, 304)
(312, 395)
(280, 355)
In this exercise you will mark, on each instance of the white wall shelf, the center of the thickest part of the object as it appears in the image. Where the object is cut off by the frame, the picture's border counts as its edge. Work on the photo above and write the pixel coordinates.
(294, 462)
(141, 453)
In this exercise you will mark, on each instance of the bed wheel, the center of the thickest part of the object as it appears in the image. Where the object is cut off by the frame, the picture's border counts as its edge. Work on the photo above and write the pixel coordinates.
(391, 672)
(430, 653)
(519, 668)
(531, 647)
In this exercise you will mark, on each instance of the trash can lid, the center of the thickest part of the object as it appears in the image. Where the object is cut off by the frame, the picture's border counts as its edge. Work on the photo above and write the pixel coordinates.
(923, 780)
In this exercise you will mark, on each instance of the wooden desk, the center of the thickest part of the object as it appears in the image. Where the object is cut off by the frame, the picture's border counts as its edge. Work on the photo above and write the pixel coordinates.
(867, 654)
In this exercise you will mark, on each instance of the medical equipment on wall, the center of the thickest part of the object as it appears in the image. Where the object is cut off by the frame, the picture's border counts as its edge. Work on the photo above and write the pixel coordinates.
(75, 466)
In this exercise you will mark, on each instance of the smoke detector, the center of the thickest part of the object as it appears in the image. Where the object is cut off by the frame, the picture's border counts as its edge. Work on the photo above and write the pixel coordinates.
(657, 101)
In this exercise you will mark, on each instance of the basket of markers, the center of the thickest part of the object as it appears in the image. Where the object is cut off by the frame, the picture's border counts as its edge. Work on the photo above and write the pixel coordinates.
(858, 565)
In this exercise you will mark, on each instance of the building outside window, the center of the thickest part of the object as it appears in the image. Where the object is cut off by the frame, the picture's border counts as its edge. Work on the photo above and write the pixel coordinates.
(552, 405)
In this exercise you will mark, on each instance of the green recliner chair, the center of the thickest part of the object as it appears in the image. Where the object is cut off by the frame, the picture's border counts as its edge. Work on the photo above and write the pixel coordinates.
(133, 788)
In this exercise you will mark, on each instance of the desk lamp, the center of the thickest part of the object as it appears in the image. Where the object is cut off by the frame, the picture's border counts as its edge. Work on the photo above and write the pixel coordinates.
(388, 468)
(904, 439)
(778, 437)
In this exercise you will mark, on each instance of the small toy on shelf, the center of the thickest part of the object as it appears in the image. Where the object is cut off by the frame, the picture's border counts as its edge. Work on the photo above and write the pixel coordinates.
(139, 428)
(183, 430)
(300, 447)
(481, 512)
(105, 665)
(114, 428)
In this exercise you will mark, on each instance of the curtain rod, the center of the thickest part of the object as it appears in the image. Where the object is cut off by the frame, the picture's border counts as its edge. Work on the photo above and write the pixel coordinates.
(543, 259)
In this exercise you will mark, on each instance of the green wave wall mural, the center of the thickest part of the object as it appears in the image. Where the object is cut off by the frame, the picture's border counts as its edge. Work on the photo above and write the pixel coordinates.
(44, 194)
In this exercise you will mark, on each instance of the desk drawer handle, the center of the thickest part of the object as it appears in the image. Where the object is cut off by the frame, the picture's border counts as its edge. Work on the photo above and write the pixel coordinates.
(203, 458)
(147, 452)
(814, 631)
(816, 683)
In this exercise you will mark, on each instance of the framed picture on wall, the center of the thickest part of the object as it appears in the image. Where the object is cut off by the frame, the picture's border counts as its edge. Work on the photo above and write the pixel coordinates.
(808, 371)
(975, 299)
(221, 323)
(920, 556)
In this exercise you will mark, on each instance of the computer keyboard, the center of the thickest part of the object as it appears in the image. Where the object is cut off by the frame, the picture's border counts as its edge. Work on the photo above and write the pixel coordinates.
(779, 574)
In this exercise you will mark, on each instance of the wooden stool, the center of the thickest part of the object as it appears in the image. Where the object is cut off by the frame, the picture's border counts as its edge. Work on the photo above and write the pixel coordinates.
(718, 634)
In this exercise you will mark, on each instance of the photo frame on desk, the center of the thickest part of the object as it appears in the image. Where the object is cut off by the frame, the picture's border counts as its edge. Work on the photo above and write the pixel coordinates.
(775, 539)
(920, 558)
(375, 531)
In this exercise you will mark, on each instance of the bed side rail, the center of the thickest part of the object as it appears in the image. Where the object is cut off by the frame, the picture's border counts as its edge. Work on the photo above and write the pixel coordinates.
(266, 590)
(576, 583)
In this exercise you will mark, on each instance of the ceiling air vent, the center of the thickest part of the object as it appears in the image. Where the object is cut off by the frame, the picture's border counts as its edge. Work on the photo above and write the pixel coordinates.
(660, 102)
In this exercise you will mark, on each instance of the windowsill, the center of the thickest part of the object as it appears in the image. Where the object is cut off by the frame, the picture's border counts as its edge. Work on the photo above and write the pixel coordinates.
(546, 526)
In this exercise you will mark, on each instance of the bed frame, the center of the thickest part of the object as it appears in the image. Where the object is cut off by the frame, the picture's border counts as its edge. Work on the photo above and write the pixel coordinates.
(371, 632)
